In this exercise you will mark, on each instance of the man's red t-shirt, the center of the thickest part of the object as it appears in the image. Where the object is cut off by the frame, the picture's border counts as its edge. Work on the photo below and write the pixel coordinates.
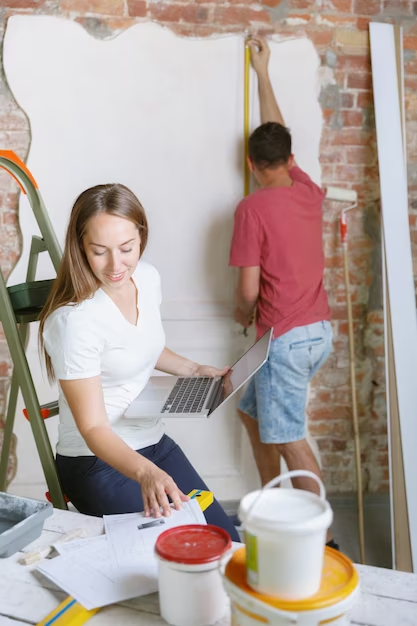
(279, 229)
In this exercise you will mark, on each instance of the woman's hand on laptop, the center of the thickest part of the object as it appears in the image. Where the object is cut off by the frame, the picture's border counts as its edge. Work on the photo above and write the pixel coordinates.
(211, 372)
(172, 363)
(156, 486)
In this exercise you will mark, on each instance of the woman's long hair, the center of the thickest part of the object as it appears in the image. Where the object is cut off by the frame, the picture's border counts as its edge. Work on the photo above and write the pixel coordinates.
(75, 281)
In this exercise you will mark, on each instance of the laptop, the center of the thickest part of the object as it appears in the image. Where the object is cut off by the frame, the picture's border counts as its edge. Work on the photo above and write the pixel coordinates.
(198, 396)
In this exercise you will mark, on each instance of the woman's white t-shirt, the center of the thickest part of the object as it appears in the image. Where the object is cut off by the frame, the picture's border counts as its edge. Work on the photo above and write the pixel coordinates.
(95, 339)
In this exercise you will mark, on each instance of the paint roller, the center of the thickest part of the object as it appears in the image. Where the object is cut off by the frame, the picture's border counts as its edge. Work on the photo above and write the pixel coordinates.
(349, 195)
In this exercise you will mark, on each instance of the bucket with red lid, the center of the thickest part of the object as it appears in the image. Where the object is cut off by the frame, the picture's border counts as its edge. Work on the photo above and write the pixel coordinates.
(191, 592)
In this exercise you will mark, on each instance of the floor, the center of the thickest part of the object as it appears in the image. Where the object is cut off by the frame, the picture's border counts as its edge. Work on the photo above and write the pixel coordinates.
(376, 521)
(377, 530)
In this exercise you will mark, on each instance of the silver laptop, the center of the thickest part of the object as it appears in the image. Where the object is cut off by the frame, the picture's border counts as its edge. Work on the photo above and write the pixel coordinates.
(173, 396)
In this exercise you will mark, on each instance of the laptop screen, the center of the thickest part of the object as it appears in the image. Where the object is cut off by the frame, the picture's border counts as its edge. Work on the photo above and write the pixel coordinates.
(242, 371)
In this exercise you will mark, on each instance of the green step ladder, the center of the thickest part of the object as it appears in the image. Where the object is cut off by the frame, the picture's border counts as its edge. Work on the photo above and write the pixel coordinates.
(19, 306)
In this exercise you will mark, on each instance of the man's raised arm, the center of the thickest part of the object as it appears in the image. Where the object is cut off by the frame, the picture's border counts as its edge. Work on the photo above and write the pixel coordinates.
(259, 54)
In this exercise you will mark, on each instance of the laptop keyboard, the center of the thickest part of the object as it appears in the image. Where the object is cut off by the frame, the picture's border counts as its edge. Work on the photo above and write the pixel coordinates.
(188, 395)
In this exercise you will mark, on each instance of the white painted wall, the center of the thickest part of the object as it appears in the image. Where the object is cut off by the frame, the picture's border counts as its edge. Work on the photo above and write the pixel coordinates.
(164, 116)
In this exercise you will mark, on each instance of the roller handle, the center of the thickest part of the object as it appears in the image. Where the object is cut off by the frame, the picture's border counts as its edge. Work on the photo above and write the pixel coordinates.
(343, 228)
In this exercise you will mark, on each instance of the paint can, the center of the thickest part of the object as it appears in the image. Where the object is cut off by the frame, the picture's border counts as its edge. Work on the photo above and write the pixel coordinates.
(191, 592)
(330, 605)
(285, 536)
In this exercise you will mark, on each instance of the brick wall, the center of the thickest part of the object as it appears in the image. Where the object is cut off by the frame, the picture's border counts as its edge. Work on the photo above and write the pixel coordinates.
(339, 30)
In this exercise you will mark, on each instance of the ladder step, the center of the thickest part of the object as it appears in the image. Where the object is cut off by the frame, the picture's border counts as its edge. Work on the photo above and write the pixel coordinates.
(47, 410)
(30, 296)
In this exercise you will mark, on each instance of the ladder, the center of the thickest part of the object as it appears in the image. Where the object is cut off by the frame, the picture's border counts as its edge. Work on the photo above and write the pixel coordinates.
(19, 306)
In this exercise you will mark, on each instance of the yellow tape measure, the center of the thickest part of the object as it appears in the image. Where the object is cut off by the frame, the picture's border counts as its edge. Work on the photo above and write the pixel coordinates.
(71, 613)
(246, 177)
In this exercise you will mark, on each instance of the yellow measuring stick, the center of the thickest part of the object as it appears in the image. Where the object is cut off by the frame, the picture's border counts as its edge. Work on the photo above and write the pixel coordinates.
(246, 188)
(71, 613)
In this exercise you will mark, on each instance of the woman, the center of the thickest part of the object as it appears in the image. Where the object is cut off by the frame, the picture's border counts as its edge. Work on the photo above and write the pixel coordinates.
(102, 336)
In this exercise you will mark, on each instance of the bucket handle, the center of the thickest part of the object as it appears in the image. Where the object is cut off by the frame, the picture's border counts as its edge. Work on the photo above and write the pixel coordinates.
(278, 479)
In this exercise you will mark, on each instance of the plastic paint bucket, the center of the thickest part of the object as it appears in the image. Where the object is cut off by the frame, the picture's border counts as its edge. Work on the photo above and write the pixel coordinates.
(330, 605)
(190, 585)
(285, 536)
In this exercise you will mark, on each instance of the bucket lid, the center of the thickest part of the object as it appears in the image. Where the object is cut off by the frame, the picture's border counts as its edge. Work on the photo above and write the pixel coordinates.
(339, 579)
(194, 544)
(293, 510)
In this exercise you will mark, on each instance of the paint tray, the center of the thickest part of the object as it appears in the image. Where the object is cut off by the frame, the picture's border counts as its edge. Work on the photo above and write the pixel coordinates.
(21, 522)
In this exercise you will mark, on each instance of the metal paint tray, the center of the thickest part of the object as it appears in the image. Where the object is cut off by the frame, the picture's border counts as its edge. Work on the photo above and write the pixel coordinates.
(21, 522)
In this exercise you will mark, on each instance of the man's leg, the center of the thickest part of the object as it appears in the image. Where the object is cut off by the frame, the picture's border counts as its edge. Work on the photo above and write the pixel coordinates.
(281, 393)
(267, 456)
(299, 455)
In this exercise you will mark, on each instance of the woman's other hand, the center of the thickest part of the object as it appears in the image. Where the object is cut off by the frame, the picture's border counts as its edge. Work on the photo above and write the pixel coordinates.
(156, 486)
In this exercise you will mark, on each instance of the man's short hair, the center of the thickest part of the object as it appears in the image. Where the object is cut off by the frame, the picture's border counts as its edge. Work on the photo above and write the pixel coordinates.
(270, 145)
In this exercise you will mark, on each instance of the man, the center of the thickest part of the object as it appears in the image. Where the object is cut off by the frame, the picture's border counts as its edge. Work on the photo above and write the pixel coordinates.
(277, 246)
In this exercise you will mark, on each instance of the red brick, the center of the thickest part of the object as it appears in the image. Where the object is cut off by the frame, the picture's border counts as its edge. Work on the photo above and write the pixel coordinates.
(410, 66)
(335, 21)
(328, 115)
(326, 172)
(195, 30)
(208, 2)
(335, 156)
(354, 63)
(305, 17)
(365, 99)
(23, 4)
(13, 120)
(359, 81)
(104, 7)
(9, 218)
(111, 24)
(410, 84)
(367, 7)
(320, 37)
(178, 12)
(239, 15)
(352, 118)
(350, 137)
(333, 262)
(302, 4)
(360, 155)
(347, 100)
(268, 3)
(397, 7)
(137, 8)
(410, 42)
(363, 23)
(344, 6)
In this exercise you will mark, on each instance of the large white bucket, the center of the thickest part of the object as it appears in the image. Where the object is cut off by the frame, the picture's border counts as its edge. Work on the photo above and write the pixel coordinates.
(285, 536)
(337, 594)
(190, 585)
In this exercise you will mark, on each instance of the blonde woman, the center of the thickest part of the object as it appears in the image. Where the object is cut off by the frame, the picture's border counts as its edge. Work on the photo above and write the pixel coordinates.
(102, 337)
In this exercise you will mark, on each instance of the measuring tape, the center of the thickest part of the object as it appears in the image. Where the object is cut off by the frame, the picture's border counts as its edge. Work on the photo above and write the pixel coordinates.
(246, 177)
(71, 613)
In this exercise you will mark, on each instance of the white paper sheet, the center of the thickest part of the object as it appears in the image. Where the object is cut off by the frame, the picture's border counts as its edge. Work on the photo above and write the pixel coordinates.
(85, 570)
(127, 544)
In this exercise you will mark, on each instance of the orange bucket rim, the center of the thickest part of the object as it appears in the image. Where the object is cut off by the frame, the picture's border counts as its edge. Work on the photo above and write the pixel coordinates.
(235, 573)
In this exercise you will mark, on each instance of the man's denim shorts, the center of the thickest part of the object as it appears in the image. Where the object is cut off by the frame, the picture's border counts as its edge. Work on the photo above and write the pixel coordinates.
(276, 396)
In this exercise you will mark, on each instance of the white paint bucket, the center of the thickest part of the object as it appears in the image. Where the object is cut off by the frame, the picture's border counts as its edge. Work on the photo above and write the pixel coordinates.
(285, 536)
(190, 585)
(338, 591)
